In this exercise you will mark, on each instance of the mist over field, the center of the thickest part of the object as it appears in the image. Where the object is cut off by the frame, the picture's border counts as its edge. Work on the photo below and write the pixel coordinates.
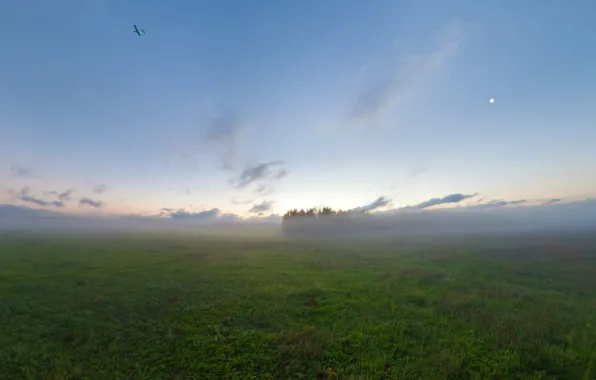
(164, 305)
(579, 215)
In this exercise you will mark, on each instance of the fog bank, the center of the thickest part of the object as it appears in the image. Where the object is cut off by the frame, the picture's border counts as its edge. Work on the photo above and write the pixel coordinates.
(554, 216)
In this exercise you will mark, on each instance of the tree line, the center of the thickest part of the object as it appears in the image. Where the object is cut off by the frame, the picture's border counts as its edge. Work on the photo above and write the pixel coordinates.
(317, 211)
(319, 222)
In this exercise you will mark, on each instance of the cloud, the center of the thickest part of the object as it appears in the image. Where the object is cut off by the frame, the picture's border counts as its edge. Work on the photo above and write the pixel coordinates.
(211, 215)
(90, 202)
(451, 198)
(26, 218)
(562, 216)
(261, 208)
(64, 196)
(225, 128)
(182, 214)
(100, 189)
(19, 172)
(402, 81)
(551, 201)
(225, 135)
(25, 197)
(269, 219)
(12, 212)
(228, 217)
(495, 204)
(264, 189)
(281, 174)
(219, 134)
(259, 172)
(416, 172)
(166, 211)
(378, 203)
(238, 202)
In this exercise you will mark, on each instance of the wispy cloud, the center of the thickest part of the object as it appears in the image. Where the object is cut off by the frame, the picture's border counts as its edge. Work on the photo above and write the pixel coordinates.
(416, 172)
(239, 202)
(225, 128)
(19, 172)
(378, 203)
(551, 201)
(281, 174)
(260, 172)
(90, 202)
(24, 195)
(265, 189)
(495, 204)
(64, 196)
(182, 214)
(166, 211)
(561, 215)
(261, 208)
(208, 216)
(225, 134)
(218, 134)
(100, 189)
(451, 198)
(403, 80)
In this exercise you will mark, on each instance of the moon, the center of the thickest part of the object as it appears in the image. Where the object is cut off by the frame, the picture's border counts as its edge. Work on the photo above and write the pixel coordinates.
(492, 100)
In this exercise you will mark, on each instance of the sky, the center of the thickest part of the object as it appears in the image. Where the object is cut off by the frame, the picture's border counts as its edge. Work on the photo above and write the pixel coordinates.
(253, 108)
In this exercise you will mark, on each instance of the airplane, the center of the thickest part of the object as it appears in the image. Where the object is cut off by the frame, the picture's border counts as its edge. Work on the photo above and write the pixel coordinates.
(137, 31)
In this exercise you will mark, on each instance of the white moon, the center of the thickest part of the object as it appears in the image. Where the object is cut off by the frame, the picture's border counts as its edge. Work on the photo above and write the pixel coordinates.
(492, 100)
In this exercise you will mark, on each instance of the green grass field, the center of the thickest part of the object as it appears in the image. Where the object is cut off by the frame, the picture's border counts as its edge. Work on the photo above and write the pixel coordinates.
(146, 306)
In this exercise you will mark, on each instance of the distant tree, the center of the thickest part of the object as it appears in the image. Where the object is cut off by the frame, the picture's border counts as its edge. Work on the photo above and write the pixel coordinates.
(327, 211)
(312, 212)
(318, 222)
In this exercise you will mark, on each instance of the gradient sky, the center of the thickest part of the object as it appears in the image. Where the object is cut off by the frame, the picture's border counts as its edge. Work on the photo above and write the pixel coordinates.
(355, 99)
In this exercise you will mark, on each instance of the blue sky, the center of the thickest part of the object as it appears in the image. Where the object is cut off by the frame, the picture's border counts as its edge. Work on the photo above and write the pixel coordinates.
(340, 102)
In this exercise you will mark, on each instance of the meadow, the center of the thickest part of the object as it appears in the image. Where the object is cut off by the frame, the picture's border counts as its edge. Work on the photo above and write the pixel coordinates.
(178, 306)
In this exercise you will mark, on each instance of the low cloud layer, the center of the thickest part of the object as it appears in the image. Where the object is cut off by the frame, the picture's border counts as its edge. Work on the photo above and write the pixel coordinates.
(25, 196)
(495, 204)
(561, 217)
(210, 215)
(201, 215)
(378, 203)
(451, 198)
(53, 198)
(520, 218)
(90, 202)
(64, 196)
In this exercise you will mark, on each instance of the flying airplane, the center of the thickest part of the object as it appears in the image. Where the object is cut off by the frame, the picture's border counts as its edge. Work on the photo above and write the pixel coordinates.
(137, 31)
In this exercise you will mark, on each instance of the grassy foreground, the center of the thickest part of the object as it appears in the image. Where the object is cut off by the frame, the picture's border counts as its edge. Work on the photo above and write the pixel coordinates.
(183, 307)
